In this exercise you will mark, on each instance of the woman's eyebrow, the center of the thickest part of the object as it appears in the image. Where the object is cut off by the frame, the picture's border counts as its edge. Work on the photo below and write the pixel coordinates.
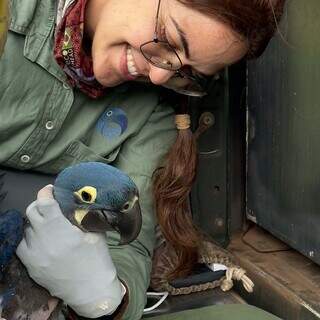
(183, 39)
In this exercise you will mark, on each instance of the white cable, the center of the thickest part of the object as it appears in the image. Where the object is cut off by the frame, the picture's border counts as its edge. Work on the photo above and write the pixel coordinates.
(217, 267)
(156, 305)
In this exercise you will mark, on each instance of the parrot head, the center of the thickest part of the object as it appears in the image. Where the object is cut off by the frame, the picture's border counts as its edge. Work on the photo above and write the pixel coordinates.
(97, 197)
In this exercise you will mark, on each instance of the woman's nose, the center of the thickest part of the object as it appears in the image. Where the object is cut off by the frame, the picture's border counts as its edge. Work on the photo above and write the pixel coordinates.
(159, 76)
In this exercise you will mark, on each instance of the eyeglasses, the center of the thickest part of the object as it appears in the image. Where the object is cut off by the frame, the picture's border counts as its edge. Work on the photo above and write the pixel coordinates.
(162, 55)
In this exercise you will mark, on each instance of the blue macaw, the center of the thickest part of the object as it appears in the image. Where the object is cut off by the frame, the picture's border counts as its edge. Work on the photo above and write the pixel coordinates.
(93, 196)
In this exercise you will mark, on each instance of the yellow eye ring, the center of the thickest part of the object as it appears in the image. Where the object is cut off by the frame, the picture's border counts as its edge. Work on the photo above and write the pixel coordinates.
(87, 194)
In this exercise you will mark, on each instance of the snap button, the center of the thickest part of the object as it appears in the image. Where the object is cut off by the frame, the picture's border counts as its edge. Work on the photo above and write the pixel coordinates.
(66, 86)
(25, 158)
(49, 125)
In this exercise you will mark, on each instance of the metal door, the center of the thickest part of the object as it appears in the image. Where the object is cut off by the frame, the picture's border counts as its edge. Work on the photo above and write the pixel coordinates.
(283, 152)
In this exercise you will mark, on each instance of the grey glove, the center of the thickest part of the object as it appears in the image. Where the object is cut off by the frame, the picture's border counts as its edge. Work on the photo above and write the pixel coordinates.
(72, 265)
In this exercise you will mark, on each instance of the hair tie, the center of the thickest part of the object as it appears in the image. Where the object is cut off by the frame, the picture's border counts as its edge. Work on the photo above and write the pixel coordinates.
(182, 121)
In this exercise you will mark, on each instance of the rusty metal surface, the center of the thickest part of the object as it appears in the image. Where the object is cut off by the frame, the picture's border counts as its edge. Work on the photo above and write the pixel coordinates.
(287, 284)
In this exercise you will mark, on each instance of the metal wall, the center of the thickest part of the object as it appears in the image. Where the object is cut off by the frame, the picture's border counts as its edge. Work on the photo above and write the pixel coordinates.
(283, 174)
(209, 194)
(218, 194)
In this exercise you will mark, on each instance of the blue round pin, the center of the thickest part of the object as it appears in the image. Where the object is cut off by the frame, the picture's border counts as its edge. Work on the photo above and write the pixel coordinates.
(112, 123)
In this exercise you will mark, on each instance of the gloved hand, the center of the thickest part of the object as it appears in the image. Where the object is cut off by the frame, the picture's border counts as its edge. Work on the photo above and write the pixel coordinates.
(72, 265)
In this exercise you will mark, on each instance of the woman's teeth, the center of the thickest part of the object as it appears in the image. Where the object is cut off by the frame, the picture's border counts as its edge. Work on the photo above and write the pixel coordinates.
(130, 63)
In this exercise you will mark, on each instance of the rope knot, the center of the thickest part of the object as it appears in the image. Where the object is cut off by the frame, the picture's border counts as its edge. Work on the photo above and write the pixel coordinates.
(239, 275)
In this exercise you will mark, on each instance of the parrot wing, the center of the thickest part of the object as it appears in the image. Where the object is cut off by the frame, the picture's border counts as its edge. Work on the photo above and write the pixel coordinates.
(11, 232)
(20, 297)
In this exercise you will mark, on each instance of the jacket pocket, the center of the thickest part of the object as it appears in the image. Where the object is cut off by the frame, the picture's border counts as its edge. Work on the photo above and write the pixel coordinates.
(77, 152)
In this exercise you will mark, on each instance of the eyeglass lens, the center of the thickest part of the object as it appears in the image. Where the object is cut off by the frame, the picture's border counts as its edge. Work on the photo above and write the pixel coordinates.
(161, 55)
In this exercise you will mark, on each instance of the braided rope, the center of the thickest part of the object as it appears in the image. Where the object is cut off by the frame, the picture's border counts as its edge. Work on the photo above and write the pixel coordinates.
(239, 275)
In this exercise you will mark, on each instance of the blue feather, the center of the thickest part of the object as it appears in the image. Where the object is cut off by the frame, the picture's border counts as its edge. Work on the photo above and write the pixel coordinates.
(11, 232)
(6, 297)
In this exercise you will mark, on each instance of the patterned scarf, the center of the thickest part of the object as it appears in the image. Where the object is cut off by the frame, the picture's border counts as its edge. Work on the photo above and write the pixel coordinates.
(69, 51)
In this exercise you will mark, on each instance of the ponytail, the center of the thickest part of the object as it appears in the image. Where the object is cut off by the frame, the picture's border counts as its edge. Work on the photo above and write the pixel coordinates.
(172, 186)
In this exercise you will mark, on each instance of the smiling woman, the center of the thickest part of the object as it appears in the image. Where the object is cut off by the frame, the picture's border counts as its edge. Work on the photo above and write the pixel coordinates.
(62, 102)
(119, 29)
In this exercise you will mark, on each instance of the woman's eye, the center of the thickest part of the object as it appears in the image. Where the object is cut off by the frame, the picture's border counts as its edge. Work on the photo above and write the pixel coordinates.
(163, 36)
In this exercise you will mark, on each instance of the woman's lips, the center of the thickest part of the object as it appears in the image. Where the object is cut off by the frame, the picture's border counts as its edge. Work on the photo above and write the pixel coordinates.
(124, 66)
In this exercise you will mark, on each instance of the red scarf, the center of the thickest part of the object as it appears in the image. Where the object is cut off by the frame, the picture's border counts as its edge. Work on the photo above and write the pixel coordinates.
(69, 52)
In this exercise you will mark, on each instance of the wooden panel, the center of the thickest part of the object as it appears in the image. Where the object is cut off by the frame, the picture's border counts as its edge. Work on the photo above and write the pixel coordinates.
(196, 300)
(287, 284)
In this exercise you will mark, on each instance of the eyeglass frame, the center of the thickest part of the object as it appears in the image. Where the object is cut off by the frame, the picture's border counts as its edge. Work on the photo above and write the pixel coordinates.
(178, 72)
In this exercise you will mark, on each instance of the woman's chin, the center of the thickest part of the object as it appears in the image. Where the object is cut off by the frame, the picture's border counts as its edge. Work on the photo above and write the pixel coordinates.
(109, 83)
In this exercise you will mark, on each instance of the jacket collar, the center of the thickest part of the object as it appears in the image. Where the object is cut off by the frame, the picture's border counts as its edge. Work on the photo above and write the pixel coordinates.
(36, 20)
(33, 18)
(26, 14)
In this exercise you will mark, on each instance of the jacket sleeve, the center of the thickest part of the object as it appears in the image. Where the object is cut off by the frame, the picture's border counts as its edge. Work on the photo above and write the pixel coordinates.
(139, 157)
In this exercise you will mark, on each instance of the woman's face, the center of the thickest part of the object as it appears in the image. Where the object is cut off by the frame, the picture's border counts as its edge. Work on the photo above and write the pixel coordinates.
(118, 28)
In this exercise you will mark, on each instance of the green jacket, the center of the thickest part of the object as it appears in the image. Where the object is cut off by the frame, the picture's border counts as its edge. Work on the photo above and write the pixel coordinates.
(45, 125)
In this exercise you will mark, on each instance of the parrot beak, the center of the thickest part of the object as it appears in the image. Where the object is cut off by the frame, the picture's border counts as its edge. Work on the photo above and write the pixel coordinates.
(127, 224)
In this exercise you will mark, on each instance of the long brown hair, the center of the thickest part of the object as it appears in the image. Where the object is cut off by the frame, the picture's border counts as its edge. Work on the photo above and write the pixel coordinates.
(256, 22)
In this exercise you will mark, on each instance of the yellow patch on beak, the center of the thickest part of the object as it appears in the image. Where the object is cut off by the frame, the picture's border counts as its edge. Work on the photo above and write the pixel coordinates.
(79, 215)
